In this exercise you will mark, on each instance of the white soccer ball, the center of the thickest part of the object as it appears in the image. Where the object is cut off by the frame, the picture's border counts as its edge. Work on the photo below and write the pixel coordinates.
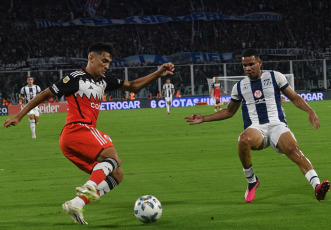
(148, 209)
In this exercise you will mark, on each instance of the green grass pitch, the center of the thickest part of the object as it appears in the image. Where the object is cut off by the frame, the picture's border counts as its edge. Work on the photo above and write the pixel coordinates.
(193, 170)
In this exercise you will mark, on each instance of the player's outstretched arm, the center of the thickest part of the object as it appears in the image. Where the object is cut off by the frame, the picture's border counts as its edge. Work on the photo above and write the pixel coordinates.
(44, 95)
(220, 115)
(301, 104)
(136, 85)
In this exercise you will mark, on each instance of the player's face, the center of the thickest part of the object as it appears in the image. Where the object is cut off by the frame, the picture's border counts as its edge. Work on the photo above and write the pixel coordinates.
(168, 81)
(30, 81)
(100, 63)
(216, 79)
(252, 67)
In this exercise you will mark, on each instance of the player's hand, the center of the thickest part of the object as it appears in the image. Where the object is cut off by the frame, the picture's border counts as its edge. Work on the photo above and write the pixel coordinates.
(194, 119)
(11, 122)
(166, 69)
(313, 119)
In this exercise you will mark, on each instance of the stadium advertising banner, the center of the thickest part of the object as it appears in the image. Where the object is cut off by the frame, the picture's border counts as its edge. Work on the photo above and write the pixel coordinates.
(158, 103)
(43, 108)
(156, 19)
(290, 52)
(3, 110)
(149, 103)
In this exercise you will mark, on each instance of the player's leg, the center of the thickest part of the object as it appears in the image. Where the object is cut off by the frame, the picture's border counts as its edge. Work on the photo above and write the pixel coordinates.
(215, 104)
(36, 118)
(32, 123)
(108, 161)
(249, 139)
(289, 146)
(111, 181)
(168, 104)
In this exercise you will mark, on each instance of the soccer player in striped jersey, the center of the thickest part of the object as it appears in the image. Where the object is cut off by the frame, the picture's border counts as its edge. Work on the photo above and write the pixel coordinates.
(215, 92)
(88, 148)
(264, 121)
(168, 90)
(26, 94)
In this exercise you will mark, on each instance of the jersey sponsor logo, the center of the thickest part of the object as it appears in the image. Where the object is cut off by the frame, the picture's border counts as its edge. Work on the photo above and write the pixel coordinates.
(95, 105)
(258, 93)
(66, 79)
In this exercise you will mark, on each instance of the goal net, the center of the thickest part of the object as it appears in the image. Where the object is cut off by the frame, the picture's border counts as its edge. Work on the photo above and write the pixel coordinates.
(229, 81)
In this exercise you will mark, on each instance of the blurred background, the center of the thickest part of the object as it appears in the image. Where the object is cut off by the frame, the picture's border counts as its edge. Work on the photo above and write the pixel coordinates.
(204, 38)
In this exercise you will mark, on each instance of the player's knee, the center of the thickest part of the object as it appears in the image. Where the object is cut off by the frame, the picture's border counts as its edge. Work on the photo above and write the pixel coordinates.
(244, 139)
(293, 151)
(118, 174)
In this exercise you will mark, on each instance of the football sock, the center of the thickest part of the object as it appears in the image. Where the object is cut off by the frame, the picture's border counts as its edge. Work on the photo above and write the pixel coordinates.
(101, 170)
(168, 108)
(215, 107)
(220, 107)
(312, 178)
(33, 127)
(250, 176)
(79, 202)
(108, 184)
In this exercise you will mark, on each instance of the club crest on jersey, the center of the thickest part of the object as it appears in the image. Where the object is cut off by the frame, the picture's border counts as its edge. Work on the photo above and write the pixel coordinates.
(258, 93)
(66, 79)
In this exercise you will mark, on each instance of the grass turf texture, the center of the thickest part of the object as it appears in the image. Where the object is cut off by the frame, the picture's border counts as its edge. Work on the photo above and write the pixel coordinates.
(193, 170)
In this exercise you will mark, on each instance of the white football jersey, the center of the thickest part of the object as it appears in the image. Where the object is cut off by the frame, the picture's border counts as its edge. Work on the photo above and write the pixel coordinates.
(261, 101)
(168, 89)
(30, 92)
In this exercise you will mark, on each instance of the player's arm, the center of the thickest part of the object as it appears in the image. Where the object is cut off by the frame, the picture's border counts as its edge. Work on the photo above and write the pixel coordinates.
(173, 91)
(44, 95)
(210, 92)
(301, 104)
(231, 110)
(223, 90)
(136, 85)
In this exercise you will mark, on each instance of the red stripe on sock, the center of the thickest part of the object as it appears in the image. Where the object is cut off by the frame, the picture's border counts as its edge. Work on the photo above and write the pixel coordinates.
(97, 176)
(86, 201)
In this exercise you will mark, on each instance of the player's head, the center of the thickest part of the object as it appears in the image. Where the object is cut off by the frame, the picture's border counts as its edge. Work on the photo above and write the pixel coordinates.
(100, 54)
(30, 80)
(216, 79)
(168, 80)
(250, 59)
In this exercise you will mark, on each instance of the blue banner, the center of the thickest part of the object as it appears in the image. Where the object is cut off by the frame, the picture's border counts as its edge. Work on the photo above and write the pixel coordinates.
(102, 21)
(3, 110)
(159, 103)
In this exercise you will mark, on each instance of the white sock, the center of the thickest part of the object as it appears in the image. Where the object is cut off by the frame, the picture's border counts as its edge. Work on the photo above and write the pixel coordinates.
(168, 109)
(91, 183)
(312, 178)
(78, 202)
(250, 176)
(33, 127)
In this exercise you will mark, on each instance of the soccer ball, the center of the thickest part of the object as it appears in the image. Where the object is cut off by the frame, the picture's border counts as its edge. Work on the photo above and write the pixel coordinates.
(147, 209)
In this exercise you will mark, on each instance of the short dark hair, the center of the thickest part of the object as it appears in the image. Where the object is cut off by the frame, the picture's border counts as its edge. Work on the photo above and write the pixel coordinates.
(29, 77)
(100, 47)
(250, 52)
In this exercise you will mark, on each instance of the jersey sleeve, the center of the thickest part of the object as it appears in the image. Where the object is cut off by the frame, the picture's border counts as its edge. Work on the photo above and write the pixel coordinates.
(22, 92)
(281, 80)
(172, 86)
(164, 86)
(38, 89)
(235, 94)
(113, 83)
(67, 85)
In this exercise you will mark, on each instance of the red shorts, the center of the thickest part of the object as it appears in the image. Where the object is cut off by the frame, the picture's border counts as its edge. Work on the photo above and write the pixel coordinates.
(82, 144)
(217, 97)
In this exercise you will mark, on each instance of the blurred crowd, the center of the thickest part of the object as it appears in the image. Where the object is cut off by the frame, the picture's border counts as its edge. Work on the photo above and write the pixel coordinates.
(305, 24)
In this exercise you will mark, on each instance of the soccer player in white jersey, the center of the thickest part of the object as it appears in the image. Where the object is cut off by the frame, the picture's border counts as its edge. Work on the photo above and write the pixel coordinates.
(26, 94)
(264, 121)
(168, 91)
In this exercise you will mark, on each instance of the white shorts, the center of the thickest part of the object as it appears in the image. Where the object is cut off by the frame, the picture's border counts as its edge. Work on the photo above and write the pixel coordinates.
(168, 99)
(34, 111)
(271, 133)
